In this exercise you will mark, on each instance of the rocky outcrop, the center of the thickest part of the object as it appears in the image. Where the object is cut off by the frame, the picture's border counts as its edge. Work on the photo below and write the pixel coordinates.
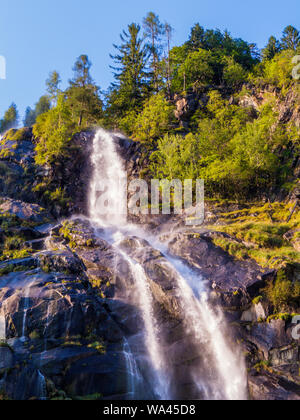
(70, 342)
(66, 315)
(225, 273)
(24, 211)
(18, 172)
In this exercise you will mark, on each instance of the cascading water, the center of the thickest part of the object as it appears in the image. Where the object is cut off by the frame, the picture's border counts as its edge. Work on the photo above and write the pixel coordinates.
(25, 310)
(41, 386)
(161, 383)
(223, 374)
(108, 177)
(228, 379)
(109, 173)
(133, 374)
(2, 328)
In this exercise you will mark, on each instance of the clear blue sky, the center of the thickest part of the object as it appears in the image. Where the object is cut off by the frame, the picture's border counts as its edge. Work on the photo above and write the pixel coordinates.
(37, 36)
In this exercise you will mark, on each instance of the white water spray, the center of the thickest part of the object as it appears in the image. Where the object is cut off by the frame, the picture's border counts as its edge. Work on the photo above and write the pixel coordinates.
(25, 310)
(107, 198)
(133, 374)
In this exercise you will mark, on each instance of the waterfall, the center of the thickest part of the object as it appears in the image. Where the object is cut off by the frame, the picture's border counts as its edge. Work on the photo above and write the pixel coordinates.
(222, 374)
(161, 383)
(25, 310)
(2, 328)
(41, 386)
(133, 373)
(109, 179)
(208, 326)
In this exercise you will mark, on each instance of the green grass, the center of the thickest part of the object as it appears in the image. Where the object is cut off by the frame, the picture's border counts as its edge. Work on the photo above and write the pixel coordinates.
(258, 232)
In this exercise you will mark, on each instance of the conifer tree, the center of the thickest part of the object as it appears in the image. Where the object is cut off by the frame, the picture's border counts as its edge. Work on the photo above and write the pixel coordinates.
(129, 71)
(290, 38)
(10, 119)
(52, 84)
(83, 95)
(271, 49)
(154, 30)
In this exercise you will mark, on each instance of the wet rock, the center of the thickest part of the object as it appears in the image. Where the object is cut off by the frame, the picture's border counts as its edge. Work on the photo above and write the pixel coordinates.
(269, 387)
(61, 261)
(255, 313)
(24, 211)
(68, 331)
(161, 279)
(224, 272)
(15, 265)
(268, 336)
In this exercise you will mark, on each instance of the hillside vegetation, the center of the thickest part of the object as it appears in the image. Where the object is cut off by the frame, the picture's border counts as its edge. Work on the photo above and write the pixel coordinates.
(215, 108)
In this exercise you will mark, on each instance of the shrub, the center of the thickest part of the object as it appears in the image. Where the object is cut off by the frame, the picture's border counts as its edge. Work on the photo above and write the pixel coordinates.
(282, 292)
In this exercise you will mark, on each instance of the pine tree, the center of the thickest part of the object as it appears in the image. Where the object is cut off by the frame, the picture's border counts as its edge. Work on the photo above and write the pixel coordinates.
(290, 38)
(130, 71)
(30, 117)
(81, 69)
(196, 39)
(52, 84)
(272, 48)
(43, 105)
(10, 119)
(154, 31)
(83, 96)
(168, 32)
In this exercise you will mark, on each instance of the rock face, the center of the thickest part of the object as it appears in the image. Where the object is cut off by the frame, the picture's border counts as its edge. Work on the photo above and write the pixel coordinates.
(70, 339)
(69, 319)
(24, 211)
(18, 171)
(22, 179)
(69, 322)
(224, 272)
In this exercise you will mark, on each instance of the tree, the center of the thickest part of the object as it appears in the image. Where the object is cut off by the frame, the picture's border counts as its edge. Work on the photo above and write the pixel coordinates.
(85, 104)
(155, 120)
(272, 48)
(168, 31)
(81, 69)
(43, 105)
(83, 95)
(154, 31)
(234, 74)
(30, 117)
(130, 72)
(196, 70)
(10, 119)
(53, 131)
(196, 39)
(278, 71)
(52, 84)
(290, 38)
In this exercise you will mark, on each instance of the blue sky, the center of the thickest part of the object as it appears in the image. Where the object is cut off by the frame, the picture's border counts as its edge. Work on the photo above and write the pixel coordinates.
(37, 36)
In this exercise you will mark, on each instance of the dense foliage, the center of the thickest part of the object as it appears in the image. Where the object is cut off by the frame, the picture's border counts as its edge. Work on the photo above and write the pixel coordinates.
(238, 148)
